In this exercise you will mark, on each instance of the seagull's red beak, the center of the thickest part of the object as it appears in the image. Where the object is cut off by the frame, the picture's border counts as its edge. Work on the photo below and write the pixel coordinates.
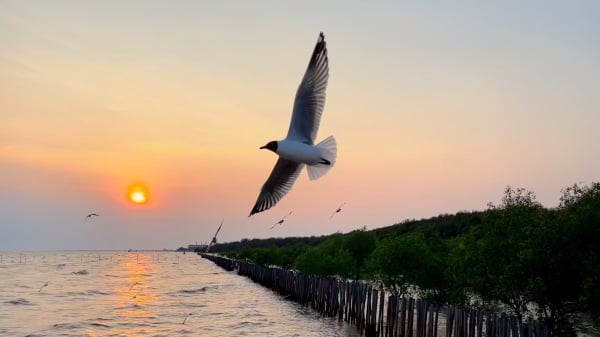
(263, 147)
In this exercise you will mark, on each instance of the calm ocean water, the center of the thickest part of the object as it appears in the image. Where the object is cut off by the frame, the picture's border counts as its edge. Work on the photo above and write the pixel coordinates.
(143, 294)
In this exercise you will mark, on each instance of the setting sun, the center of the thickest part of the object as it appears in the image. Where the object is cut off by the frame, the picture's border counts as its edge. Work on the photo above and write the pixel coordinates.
(138, 194)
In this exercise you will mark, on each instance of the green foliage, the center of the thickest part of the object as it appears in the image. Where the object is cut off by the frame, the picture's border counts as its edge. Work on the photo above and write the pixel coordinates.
(271, 255)
(523, 253)
(514, 254)
(230, 247)
(330, 258)
(360, 244)
(492, 262)
(581, 208)
(445, 225)
(400, 262)
(579, 233)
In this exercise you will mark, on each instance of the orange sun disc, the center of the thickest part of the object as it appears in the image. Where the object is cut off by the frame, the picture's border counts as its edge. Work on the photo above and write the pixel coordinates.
(138, 194)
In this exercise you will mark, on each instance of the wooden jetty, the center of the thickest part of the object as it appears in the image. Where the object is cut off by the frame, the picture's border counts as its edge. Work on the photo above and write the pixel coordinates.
(376, 313)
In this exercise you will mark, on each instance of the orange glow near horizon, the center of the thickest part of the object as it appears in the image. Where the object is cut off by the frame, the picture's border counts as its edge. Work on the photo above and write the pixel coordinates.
(138, 194)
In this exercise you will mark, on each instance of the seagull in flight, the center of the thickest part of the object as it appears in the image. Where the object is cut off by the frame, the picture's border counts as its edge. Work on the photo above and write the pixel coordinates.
(90, 215)
(280, 220)
(44, 286)
(298, 149)
(339, 209)
(186, 317)
(214, 239)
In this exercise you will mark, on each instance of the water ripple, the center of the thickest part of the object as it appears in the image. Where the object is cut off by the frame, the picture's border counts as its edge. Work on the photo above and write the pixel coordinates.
(19, 301)
(140, 294)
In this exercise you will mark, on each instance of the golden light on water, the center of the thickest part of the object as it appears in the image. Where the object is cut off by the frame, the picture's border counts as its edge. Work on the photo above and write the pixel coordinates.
(137, 294)
(137, 289)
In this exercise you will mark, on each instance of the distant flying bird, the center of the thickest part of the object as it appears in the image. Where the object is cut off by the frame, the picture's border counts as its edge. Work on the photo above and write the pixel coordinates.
(298, 149)
(280, 220)
(339, 209)
(44, 286)
(89, 216)
(214, 239)
(186, 317)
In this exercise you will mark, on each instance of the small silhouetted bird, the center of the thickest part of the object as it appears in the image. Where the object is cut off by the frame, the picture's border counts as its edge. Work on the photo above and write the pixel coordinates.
(90, 215)
(280, 220)
(339, 209)
(186, 317)
(44, 286)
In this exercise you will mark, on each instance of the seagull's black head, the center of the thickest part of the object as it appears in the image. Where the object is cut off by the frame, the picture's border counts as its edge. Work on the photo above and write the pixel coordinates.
(271, 146)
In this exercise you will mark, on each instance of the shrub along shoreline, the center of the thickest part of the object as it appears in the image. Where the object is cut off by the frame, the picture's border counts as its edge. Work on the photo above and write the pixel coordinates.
(534, 261)
(377, 313)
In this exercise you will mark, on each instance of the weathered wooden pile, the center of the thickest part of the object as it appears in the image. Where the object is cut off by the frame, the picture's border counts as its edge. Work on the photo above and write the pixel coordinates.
(376, 313)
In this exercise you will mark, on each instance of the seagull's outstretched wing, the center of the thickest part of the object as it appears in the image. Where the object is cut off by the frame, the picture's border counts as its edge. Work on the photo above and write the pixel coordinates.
(214, 239)
(310, 97)
(280, 182)
(219, 229)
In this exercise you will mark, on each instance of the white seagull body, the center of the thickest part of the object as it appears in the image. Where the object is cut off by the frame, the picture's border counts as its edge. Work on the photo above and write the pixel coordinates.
(298, 148)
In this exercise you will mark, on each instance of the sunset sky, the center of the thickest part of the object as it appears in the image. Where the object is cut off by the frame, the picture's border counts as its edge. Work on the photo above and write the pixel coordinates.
(436, 106)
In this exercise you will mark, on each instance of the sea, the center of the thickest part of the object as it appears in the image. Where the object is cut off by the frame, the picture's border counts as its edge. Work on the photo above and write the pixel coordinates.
(145, 293)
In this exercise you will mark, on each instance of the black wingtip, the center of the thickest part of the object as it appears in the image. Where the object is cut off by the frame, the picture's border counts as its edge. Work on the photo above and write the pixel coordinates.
(257, 209)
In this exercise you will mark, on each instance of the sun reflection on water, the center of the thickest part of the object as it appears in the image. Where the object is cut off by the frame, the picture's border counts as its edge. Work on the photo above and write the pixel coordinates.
(137, 295)
(144, 294)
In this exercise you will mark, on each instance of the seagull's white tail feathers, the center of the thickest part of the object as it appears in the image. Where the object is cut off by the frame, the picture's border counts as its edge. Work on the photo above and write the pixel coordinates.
(328, 149)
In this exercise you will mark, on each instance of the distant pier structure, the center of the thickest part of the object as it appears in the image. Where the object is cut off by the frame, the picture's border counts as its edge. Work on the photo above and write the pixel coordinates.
(197, 248)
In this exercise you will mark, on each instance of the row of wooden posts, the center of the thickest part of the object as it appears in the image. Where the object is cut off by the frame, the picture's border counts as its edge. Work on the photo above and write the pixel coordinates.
(376, 313)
